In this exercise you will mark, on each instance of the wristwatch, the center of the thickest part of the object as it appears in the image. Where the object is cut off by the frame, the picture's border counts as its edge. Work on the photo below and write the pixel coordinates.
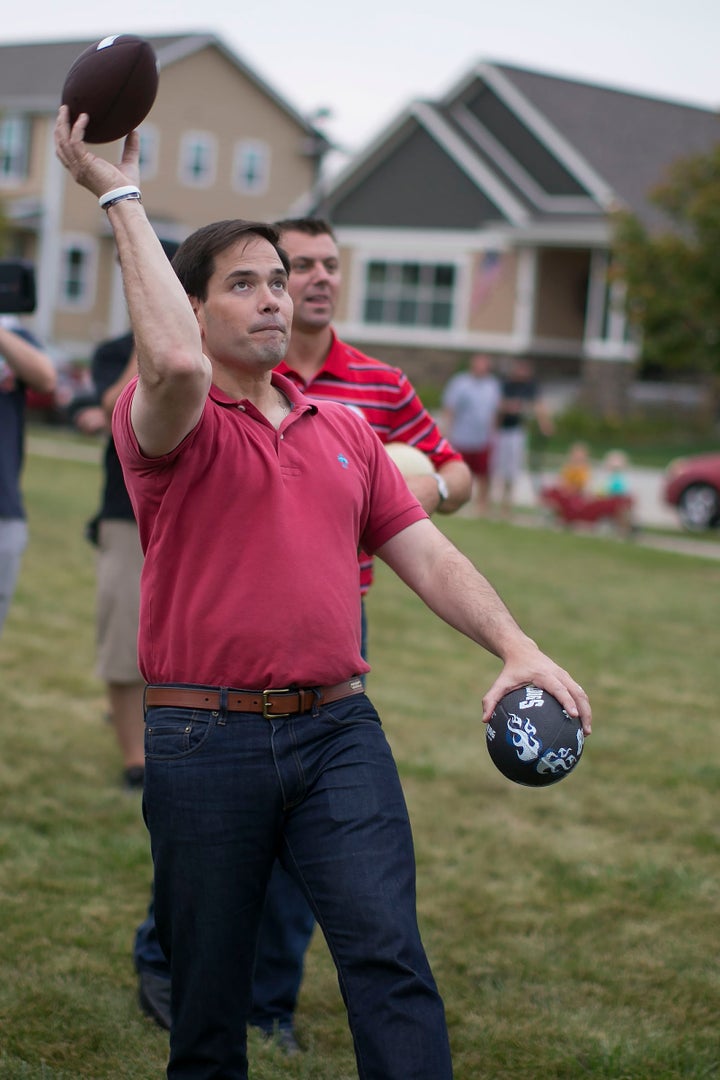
(442, 487)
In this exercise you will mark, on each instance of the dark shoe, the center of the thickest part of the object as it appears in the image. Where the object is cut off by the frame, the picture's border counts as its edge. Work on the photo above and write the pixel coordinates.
(134, 778)
(284, 1039)
(154, 998)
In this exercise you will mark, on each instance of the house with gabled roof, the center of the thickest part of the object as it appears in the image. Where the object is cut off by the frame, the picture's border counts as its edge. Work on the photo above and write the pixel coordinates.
(218, 142)
(482, 221)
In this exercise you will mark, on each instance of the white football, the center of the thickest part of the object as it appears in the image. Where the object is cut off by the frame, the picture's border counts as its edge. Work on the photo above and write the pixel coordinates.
(409, 460)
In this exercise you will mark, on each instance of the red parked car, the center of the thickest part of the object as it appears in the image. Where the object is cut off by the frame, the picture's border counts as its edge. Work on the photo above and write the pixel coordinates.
(692, 485)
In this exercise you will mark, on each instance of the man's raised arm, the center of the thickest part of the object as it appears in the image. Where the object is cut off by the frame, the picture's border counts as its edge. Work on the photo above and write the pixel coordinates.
(174, 376)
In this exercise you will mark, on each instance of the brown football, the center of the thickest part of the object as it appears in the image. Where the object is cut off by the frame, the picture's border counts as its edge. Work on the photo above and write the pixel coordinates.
(114, 81)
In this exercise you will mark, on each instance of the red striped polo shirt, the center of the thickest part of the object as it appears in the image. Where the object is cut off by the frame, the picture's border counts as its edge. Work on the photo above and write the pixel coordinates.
(387, 400)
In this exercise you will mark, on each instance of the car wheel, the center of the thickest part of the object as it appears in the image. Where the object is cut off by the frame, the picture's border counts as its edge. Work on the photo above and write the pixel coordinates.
(699, 507)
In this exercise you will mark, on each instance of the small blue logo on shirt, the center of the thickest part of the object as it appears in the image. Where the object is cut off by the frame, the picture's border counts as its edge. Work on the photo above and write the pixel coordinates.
(343, 461)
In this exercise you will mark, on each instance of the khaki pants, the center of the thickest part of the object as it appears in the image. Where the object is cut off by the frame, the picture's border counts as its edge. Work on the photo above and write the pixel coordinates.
(119, 565)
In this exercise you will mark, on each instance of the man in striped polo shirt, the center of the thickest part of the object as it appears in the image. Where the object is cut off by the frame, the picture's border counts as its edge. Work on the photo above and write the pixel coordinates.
(323, 366)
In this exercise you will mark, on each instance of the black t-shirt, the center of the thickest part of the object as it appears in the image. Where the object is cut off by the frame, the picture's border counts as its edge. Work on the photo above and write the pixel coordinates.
(524, 392)
(108, 363)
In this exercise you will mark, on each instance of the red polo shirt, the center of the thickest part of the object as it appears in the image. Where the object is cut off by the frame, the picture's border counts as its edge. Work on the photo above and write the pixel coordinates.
(250, 538)
(387, 400)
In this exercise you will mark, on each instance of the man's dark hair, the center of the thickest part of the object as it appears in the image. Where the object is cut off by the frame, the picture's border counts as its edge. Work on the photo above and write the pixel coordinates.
(194, 260)
(308, 225)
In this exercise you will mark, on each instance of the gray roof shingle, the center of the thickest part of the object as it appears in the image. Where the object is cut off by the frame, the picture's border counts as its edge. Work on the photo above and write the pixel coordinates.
(599, 145)
(628, 138)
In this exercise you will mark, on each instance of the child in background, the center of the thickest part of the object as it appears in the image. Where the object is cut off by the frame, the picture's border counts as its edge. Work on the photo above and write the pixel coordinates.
(575, 473)
(573, 501)
(615, 466)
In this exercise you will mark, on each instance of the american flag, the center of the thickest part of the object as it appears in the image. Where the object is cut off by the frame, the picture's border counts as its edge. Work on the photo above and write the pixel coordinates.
(487, 271)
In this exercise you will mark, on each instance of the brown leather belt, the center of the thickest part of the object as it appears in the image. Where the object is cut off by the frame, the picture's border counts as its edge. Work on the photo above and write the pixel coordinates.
(266, 702)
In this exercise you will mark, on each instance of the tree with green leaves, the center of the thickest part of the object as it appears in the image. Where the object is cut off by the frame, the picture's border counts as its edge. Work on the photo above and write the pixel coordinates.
(672, 273)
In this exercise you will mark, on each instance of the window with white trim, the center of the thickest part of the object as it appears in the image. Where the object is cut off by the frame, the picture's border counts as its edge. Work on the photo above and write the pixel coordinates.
(149, 151)
(410, 293)
(14, 147)
(251, 167)
(78, 271)
(198, 159)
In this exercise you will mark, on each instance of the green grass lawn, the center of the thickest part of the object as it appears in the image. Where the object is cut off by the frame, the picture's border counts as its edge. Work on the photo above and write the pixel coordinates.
(573, 931)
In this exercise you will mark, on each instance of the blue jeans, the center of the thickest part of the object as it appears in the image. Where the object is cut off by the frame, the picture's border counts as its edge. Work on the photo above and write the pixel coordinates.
(13, 541)
(147, 954)
(286, 928)
(227, 794)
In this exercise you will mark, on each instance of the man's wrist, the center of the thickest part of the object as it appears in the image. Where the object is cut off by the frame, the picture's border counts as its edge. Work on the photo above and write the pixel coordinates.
(119, 194)
(443, 490)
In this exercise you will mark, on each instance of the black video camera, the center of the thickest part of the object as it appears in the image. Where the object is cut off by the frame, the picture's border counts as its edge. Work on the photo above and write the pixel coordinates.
(17, 287)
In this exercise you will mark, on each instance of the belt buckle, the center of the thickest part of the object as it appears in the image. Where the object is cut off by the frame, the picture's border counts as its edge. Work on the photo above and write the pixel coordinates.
(266, 703)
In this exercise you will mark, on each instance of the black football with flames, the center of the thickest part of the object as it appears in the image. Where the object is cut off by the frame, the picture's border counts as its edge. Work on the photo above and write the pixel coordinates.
(532, 740)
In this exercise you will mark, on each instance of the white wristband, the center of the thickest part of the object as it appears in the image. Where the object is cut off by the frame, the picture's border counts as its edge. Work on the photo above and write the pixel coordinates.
(118, 194)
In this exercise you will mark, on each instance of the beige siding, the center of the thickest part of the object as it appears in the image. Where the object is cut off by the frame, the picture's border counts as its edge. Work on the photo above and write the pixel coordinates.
(32, 185)
(90, 326)
(207, 93)
(203, 92)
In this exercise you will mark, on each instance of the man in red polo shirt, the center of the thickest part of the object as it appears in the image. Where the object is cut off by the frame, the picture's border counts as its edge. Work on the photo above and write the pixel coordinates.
(326, 368)
(251, 501)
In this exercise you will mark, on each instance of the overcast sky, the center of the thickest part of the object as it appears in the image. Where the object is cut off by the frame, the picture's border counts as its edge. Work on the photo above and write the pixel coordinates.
(367, 60)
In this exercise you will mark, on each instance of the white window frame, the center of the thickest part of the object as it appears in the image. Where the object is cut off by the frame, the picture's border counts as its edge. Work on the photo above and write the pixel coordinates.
(88, 247)
(150, 145)
(259, 150)
(424, 293)
(189, 142)
(456, 247)
(15, 135)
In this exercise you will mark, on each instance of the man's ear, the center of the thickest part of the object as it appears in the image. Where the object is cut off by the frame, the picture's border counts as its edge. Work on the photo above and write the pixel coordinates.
(197, 306)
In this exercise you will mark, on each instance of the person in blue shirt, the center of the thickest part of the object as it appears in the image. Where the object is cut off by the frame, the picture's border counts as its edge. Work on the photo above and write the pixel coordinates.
(614, 466)
(23, 366)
